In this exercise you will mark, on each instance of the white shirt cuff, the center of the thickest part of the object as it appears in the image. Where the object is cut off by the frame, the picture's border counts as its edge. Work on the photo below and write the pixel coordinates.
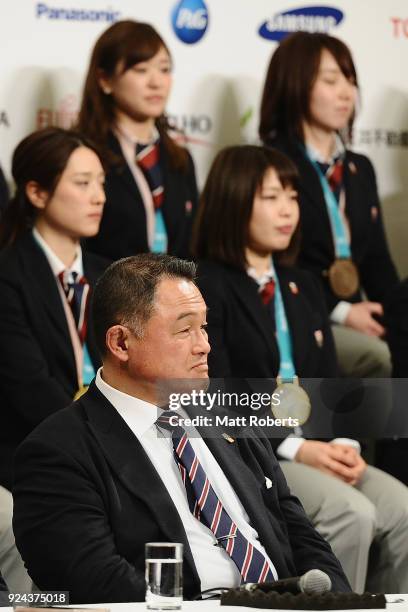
(289, 447)
(348, 442)
(340, 312)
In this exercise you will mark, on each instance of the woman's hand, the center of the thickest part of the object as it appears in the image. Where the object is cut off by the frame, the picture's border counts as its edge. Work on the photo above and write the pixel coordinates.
(338, 460)
(360, 318)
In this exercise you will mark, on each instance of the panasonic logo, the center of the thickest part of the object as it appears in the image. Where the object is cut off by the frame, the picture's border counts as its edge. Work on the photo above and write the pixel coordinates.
(44, 11)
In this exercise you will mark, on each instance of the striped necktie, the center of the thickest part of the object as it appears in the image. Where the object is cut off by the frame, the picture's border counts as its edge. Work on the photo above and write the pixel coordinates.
(334, 175)
(148, 159)
(208, 509)
(77, 291)
(268, 291)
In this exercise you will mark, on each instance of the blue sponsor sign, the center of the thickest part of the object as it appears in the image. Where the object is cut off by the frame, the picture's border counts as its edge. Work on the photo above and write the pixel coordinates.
(190, 20)
(308, 19)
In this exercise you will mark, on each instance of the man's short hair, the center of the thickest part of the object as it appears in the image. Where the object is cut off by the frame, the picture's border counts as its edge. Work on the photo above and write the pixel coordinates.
(125, 293)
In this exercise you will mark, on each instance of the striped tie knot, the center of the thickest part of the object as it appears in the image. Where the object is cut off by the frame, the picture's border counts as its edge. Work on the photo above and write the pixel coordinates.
(148, 159)
(77, 291)
(268, 291)
(171, 421)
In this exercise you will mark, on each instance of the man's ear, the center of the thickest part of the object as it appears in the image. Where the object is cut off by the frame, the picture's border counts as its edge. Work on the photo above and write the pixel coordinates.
(36, 194)
(117, 342)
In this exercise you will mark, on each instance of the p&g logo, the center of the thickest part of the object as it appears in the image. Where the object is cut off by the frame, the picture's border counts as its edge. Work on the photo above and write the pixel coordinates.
(190, 20)
(308, 19)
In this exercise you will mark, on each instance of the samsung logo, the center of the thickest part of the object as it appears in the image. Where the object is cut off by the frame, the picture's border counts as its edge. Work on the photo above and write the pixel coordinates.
(190, 20)
(308, 19)
(44, 11)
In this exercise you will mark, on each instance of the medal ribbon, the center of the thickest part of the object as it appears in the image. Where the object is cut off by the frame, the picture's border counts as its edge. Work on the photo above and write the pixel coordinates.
(160, 234)
(287, 367)
(341, 243)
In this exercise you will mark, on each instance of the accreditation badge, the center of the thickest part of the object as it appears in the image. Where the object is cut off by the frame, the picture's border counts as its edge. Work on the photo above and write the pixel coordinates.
(294, 401)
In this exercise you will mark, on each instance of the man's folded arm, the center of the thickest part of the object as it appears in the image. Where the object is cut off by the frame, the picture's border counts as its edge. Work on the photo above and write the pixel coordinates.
(62, 530)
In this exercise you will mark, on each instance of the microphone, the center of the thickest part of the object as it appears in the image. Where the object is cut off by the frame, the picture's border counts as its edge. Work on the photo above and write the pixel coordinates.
(314, 582)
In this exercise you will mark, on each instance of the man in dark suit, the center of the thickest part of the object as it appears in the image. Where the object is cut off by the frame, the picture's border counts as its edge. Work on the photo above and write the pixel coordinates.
(95, 482)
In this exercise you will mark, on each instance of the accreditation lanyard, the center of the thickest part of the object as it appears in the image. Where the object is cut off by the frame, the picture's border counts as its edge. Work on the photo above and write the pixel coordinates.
(88, 370)
(286, 368)
(341, 243)
(160, 234)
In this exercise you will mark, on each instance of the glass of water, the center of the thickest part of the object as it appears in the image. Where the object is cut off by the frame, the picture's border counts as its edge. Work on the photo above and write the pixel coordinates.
(164, 575)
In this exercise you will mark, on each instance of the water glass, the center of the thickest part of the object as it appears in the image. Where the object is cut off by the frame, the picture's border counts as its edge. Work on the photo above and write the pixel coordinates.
(164, 575)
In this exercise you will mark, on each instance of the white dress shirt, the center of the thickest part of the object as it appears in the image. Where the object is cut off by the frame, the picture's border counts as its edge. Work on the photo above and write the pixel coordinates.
(56, 265)
(215, 568)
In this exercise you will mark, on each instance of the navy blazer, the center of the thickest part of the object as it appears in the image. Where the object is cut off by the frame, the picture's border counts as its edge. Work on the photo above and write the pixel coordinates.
(369, 247)
(123, 227)
(37, 364)
(396, 321)
(242, 331)
(106, 500)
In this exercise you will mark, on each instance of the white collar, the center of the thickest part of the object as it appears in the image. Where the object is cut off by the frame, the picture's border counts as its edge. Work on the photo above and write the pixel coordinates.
(138, 414)
(57, 266)
(123, 134)
(265, 277)
(338, 151)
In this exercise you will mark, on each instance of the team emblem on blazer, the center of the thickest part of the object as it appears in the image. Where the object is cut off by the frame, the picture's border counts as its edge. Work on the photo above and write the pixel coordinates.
(318, 334)
(293, 287)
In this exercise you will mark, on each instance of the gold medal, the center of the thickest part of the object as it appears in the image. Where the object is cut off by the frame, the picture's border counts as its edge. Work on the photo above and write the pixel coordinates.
(294, 402)
(81, 391)
(343, 278)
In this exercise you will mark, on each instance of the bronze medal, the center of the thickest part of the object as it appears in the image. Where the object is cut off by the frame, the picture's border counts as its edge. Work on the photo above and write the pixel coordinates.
(294, 401)
(81, 391)
(343, 278)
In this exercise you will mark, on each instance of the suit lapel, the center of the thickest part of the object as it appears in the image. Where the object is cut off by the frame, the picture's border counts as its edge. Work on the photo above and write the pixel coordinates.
(248, 486)
(246, 292)
(310, 183)
(122, 171)
(43, 284)
(295, 313)
(92, 272)
(133, 467)
(356, 214)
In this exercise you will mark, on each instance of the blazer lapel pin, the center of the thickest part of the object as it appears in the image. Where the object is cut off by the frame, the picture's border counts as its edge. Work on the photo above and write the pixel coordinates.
(268, 482)
(318, 334)
(352, 167)
(293, 287)
(374, 213)
(228, 438)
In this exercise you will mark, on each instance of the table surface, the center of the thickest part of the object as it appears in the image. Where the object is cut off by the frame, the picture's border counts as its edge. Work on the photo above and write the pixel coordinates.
(395, 603)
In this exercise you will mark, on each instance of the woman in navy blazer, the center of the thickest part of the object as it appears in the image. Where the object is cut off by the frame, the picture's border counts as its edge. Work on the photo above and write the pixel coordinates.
(151, 192)
(307, 111)
(245, 234)
(59, 200)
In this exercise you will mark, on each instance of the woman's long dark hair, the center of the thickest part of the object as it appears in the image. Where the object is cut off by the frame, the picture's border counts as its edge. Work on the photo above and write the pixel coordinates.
(125, 43)
(289, 80)
(41, 157)
(221, 226)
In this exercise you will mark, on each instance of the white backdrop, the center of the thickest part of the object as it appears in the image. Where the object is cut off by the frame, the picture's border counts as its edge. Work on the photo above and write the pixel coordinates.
(218, 78)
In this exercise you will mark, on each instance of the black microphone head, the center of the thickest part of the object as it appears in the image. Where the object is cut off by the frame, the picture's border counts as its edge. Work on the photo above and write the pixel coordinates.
(315, 582)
